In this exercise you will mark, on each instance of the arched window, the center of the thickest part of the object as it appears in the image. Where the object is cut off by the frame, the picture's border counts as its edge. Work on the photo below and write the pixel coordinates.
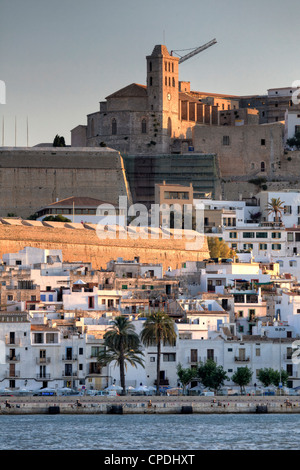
(166, 81)
(144, 126)
(114, 126)
(173, 81)
(172, 67)
(150, 66)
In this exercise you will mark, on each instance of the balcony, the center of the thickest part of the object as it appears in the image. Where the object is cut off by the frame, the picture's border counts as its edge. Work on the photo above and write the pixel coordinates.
(43, 376)
(15, 358)
(43, 360)
(12, 341)
(66, 373)
(12, 374)
(72, 357)
(241, 359)
(162, 382)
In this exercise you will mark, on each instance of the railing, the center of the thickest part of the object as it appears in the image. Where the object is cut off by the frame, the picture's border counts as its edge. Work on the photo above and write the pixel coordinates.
(43, 360)
(162, 382)
(68, 374)
(73, 357)
(12, 341)
(241, 359)
(12, 374)
(43, 376)
(15, 358)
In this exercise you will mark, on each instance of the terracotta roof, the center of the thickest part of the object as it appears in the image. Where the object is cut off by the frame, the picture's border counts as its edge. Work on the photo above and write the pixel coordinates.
(78, 202)
(132, 90)
(42, 328)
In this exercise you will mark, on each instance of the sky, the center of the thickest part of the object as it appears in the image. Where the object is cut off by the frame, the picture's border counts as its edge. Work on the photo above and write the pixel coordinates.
(60, 58)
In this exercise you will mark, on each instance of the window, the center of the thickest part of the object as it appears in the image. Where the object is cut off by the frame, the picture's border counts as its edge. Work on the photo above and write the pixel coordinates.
(262, 166)
(263, 142)
(226, 140)
(114, 126)
(232, 235)
(263, 246)
(276, 235)
(276, 246)
(261, 235)
(287, 209)
(144, 126)
(248, 246)
(290, 237)
(257, 352)
(150, 81)
(38, 338)
(248, 234)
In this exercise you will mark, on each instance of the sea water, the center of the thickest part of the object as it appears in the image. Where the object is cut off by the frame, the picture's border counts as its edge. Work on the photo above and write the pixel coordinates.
(150, 432)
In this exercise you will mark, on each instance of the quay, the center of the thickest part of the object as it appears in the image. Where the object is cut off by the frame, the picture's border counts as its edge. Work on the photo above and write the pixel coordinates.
(149, 405)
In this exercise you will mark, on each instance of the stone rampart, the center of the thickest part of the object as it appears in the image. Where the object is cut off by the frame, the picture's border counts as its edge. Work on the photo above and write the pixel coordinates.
(81, 243)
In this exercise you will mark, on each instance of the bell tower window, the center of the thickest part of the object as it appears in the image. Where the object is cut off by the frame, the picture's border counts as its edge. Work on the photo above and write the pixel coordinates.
(114, 127)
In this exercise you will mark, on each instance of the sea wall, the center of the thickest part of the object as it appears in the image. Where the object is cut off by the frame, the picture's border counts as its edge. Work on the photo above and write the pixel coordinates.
(148, 405)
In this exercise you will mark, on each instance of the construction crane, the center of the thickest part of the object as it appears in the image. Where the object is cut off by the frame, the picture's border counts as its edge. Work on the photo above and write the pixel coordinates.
(195, 51)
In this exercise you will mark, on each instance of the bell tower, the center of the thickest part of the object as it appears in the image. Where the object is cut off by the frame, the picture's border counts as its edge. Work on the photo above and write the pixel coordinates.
(163, 92)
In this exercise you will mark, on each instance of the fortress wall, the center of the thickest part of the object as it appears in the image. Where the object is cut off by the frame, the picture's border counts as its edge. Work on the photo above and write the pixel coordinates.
(31, 178)
(84, 245)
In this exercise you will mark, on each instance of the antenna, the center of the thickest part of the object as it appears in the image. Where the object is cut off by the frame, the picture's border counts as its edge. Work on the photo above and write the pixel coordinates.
(3, 131)
(15, 131)
(27, 132)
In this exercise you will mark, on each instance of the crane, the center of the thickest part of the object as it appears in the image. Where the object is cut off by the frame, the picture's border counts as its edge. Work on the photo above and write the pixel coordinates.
(195, 51)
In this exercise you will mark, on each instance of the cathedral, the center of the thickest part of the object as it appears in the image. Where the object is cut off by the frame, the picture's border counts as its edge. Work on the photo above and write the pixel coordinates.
(153, 119)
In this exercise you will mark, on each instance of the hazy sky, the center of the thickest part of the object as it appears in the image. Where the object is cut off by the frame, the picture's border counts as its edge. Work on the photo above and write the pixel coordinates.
(59, 58)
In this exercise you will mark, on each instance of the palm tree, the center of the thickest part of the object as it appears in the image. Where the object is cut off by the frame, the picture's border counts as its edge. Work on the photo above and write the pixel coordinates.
(275, 206)
(158, 328)
(122, 346)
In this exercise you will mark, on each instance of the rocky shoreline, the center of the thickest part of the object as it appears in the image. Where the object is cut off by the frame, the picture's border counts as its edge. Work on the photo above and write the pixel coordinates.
(148, 405)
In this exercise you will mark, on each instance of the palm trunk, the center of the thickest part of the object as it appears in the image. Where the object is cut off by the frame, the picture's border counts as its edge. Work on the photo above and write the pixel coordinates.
(158, 367)
(122, 372)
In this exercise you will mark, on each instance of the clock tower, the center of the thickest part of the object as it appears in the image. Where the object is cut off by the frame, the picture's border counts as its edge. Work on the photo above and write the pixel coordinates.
(163, 93)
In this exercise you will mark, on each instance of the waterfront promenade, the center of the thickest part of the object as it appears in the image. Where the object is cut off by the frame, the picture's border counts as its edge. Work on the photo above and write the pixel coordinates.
(149, 405)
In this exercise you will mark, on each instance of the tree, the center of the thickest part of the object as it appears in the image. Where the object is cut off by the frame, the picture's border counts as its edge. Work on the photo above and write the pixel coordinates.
(279, 377)
(219, 248)
(122, 346)
(242, 377)
(185, 376)
(59, 141)
(56, 218)
(158, 328)
(211, 375)
(265, 376)
(269, 376)
(275, 206)
(294, 141)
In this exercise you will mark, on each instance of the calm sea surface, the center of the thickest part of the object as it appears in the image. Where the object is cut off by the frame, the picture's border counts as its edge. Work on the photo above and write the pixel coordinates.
(150, 432)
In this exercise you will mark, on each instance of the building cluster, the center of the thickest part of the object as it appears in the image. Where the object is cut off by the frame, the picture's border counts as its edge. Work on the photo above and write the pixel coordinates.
(54, 315)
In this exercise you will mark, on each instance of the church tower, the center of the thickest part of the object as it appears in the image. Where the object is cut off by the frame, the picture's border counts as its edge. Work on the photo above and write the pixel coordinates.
(163, 95)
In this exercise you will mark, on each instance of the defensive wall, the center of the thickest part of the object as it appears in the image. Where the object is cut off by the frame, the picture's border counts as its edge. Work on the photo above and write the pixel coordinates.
(81, 242)
(34, 177)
